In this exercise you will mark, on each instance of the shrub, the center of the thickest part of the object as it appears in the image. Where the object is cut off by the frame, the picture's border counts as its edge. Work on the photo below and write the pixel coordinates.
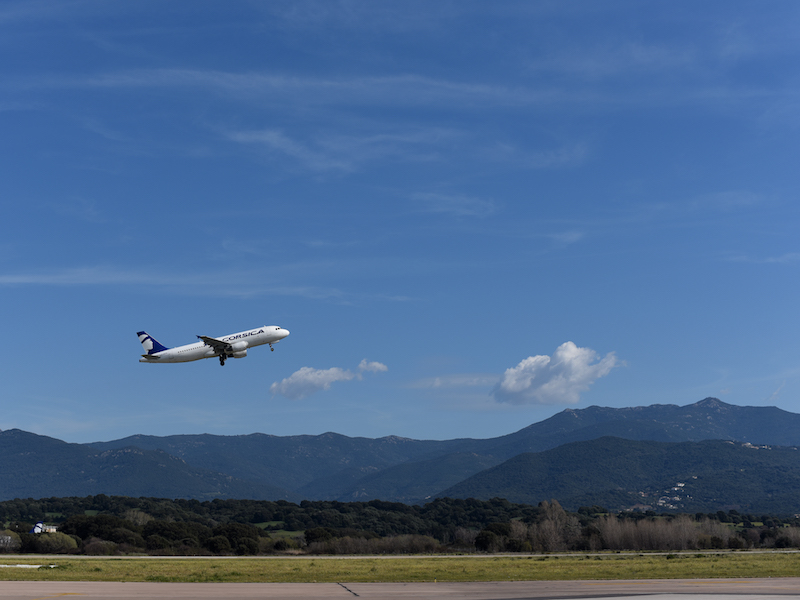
(499, 528)
(486, 541)
(56, 543)
(247, 546)
(281, 545)
(98, 547)
(783, 542)
(318, 534)
(219, 544)
(515, 545)
(157, 542)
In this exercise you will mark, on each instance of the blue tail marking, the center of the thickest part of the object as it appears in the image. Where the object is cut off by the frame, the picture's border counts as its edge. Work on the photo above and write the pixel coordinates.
(150, 344)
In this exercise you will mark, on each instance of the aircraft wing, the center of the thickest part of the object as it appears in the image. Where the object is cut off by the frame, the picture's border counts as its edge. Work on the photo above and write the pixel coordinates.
(218, 345)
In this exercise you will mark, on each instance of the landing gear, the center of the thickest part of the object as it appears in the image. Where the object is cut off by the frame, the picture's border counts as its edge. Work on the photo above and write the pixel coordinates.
(222, 361)
(271, 348)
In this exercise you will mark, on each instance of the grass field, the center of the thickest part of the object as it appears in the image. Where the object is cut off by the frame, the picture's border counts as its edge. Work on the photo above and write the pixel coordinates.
(419, 568)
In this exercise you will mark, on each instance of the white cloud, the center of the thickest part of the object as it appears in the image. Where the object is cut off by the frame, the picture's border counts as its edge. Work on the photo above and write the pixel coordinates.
(559, 379)
(372, 367)
(307, 380)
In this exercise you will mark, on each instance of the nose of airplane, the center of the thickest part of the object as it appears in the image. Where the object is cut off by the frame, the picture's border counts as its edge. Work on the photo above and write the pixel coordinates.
(284, 332)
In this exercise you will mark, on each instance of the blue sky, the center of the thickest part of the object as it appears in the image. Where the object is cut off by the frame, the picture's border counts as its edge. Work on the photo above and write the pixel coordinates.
(470, 215)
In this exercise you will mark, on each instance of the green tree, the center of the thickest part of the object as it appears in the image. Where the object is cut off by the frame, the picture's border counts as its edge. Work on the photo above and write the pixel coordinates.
(487, 541)
(219, 544)
(56, 543)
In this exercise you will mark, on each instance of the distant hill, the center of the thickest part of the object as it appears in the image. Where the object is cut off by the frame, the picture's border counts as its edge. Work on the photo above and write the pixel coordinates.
(336, 467)
(623, 474)
(36, 466)
(708, 419)
(292, 462)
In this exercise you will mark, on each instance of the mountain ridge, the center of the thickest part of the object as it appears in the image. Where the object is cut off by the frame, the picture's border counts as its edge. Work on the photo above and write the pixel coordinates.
(332, 466)
(39, 466)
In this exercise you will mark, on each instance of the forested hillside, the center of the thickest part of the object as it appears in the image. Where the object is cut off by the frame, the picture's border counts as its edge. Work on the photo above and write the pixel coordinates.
(626, 474)
(35, 466)
(534, 464)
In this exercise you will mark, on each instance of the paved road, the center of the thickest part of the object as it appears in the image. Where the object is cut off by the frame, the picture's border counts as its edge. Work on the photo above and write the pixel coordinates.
(674, 589)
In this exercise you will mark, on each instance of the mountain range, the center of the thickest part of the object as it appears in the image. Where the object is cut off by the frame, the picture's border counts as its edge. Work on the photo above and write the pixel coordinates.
(617, 457)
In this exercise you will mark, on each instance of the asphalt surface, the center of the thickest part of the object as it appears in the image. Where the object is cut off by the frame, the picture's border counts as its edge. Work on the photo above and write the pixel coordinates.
(664, 589)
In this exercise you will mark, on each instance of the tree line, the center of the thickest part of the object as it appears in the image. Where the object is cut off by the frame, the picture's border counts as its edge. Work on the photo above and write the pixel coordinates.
(112, 525)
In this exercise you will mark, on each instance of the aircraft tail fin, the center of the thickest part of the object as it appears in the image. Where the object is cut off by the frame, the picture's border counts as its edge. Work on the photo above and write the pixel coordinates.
(38, 528)
(150, 344)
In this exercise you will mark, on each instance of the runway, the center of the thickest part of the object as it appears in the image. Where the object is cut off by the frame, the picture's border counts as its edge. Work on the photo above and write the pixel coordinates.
(662, 589)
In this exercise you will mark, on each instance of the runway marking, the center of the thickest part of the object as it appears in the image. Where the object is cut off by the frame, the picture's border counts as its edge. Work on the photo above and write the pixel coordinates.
(59, 595)
(648, 582)
(348, 589)
(617, 583)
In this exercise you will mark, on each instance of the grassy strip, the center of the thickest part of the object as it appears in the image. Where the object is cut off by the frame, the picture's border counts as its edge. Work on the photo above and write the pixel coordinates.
(523, 568)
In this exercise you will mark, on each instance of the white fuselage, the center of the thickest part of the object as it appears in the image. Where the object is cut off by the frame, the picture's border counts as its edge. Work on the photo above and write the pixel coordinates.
(239, 343)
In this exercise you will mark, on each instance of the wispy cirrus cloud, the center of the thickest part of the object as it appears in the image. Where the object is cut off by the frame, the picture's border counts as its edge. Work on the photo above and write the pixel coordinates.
(282, 144)
(226, 284)
(307, 380)
(783, 259)
(275, 88)
(82, 209)
(457, 381)
(272, 89)
(346, 153)
(565, 155)
(409, 90)
(567, 237)
(727, 200)
(604, 60)
(455, 204)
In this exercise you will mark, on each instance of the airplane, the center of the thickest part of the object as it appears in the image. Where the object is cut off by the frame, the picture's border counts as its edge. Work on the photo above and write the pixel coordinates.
(38, 528)
(235, 345)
